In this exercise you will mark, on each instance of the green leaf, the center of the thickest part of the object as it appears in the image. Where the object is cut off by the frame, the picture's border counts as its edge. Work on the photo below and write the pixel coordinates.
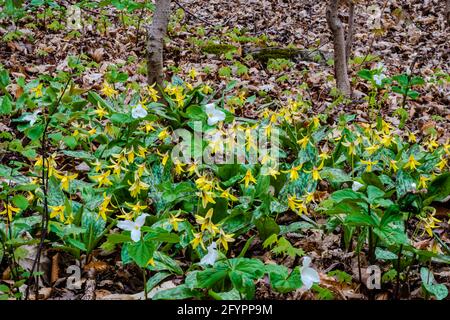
(405, 183)
(4, 288)
(282, 281)
(345, 194)
(70, 141)
(178, 293)
(79, 155)
(20, 201)
(208, 277)
(141, 252)
(4, 78)
(413, 94)
(360, 219)
(156, 279)
(365, 74)
(335, 175)
(374, 193)
(385, 254)
(121, 118)
(370, 178)
(163, 261)
(439, 189)
(5, 106)
(266, 227)
(233, 294)
(252, 267)
(160, 234)
(440, 291)
(35, 132)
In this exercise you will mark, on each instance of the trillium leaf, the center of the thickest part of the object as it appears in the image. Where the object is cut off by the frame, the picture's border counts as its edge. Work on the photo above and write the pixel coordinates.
(374, 193)
(141, 252)
(178, 293)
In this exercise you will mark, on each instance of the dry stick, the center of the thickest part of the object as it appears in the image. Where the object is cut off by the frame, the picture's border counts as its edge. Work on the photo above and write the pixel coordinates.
(92, 11)
(13, 256)
(410, 74)
(397, 285)
(139, 21)
(193, 15)
(45, 216)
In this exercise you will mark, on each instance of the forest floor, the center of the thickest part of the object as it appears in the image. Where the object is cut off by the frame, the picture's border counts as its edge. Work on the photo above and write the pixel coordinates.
(414, 35)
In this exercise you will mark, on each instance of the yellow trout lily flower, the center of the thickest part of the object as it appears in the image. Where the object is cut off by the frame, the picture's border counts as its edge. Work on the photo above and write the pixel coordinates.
(198, 240)
(108, 90)
(207, 197)
(102, 179)
(293, 172)
(303, 142)
(57, 211)
(412, 163)
(248, 178)
(65, 179)
(173, 220)
(225, 238)
(9, 210)
(369, 164)
(37, 91)
(137, 186)
(153, 93)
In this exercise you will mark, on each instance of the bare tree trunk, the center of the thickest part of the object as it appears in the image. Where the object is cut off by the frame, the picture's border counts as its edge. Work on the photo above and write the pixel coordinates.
(156, 33)
(340, 57)
(351, 23)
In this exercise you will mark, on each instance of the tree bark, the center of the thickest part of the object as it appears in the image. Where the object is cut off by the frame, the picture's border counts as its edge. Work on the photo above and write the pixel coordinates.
(350, 32)
(155, 45)
(447, 11)
(340, 56)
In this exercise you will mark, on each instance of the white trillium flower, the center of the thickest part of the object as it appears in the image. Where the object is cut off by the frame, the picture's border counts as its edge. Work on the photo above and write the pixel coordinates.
(31, 118)
(138, 112)
(309, 275)
(134, 227)
(212, 255)
(381, 67)
(356, 186)
(214, 115)
(378, 78)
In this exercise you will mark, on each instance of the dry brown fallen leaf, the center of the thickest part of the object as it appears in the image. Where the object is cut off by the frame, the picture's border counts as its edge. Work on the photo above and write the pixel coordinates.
(140, 295)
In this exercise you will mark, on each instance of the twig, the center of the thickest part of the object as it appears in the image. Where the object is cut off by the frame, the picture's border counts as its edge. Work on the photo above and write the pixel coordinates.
(45, 215)
(193, 15)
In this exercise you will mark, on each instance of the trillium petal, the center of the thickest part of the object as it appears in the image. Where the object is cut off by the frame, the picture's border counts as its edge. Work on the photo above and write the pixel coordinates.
(309, 277)
(356, 186)
(212, 255)
(138, 112)
(213, 114)
(306, 261)
(210, 107)
(126, 225)
(136, 235)
(140, 221)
